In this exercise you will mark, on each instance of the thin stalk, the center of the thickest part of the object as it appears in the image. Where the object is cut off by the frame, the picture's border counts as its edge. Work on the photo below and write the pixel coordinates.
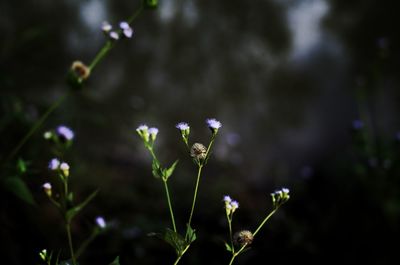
(110, 44)
(181, 255)
(230, 232)
(35, 127)
(264, 221)
(86, 244)
(195, 194)
(169, 205)
(71, 248)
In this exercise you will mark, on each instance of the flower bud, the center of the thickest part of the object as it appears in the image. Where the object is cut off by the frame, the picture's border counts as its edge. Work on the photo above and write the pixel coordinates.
(244, 237)
(65, 169)
(150, 4)
(47, 189)
(198, 151)
(81, 71)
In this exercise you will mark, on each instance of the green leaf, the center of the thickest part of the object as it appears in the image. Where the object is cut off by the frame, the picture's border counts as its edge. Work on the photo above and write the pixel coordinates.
(116, 261)
(228, 247)
(20, 189)
(175, 240)
(155, 169)
(75, 210)
(190, 234)
(168, 172)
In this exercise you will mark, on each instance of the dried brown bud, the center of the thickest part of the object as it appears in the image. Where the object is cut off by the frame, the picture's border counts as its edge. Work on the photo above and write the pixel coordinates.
(198, 151)
(80, 70)
(243, 237)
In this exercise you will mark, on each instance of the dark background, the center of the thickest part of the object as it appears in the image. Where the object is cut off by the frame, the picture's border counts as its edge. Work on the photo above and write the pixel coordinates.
(287, 79)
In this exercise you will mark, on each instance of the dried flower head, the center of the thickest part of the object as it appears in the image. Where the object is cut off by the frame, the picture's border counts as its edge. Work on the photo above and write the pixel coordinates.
(80, 70)
(198, 151)
(244, 237)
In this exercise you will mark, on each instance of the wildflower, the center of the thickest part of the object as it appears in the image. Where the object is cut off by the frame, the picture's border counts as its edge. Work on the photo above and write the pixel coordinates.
(106, 27)
(80, 70)
(198, 151)
(65, 133)
(126, 29)
(113, 35)
(47, 188)
(279, 197)
(54, 164)
(64, 168)
(230, 205)
(244, 237)
(153, 133)
(185, 131)
(143, 131)
(214, 125)
(101, 222)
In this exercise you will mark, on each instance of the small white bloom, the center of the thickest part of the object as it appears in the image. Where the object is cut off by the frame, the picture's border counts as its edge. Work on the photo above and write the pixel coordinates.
(47, 188)
(234, 205)
(285, 190)
(142, 127)
(47, 135)
(106, 27)
(182, 126)
(124, 25)
(101, 222)
(114, 35)
(128, 33)
(54, 164)
(213, 124)
(153, 133)
(64, 166)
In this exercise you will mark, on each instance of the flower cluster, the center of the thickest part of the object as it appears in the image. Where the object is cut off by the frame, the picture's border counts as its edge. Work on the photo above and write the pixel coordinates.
(147, 134)
(56, 165)
(124, 28)
(214, 125)
(230, 205)
(279, 197)
(62, 134)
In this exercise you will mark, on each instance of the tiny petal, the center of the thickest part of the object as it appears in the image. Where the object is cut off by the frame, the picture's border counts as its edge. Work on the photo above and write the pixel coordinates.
(106, 27)
(65, 132)
(54, 164)
(101, 222)
(114, 35)
(213, 124)
(182, 126)
(124, 25)
(227, 199)
(128, 33)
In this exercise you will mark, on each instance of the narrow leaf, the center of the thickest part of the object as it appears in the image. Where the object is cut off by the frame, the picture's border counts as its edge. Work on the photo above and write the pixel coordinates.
(190, 234)
(116, 261)
(228, 247)
(168, 172)
(17, 186)
(75, 210)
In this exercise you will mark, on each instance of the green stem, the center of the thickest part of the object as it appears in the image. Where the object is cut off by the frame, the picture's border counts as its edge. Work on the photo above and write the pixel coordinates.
(195, 194)
(181, 255)
(264, 221)
(35, 127)
(169, 205)
(86, 243)
(230, 232)
(71, 248)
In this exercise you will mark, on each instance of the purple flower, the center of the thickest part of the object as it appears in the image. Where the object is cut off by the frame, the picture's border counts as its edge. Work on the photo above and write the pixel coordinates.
(114, 35)
(182, 126)
(213, 124)
(101, 222)
(106, 27)
(65, 133)
(124, 25)
(54, 164)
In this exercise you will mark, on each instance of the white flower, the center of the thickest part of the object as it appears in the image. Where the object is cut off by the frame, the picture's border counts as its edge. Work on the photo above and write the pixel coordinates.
(153, 133)
(128, 33)
(227, 199)
(234, 205)
(124, 25)
(114, 35)
(54, 164)
(106, 27)
(47, 135)
(47, 188)
(65, 168)
(101, 222)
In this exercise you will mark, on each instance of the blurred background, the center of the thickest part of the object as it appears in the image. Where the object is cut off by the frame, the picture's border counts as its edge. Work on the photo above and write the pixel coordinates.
(306, 90)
